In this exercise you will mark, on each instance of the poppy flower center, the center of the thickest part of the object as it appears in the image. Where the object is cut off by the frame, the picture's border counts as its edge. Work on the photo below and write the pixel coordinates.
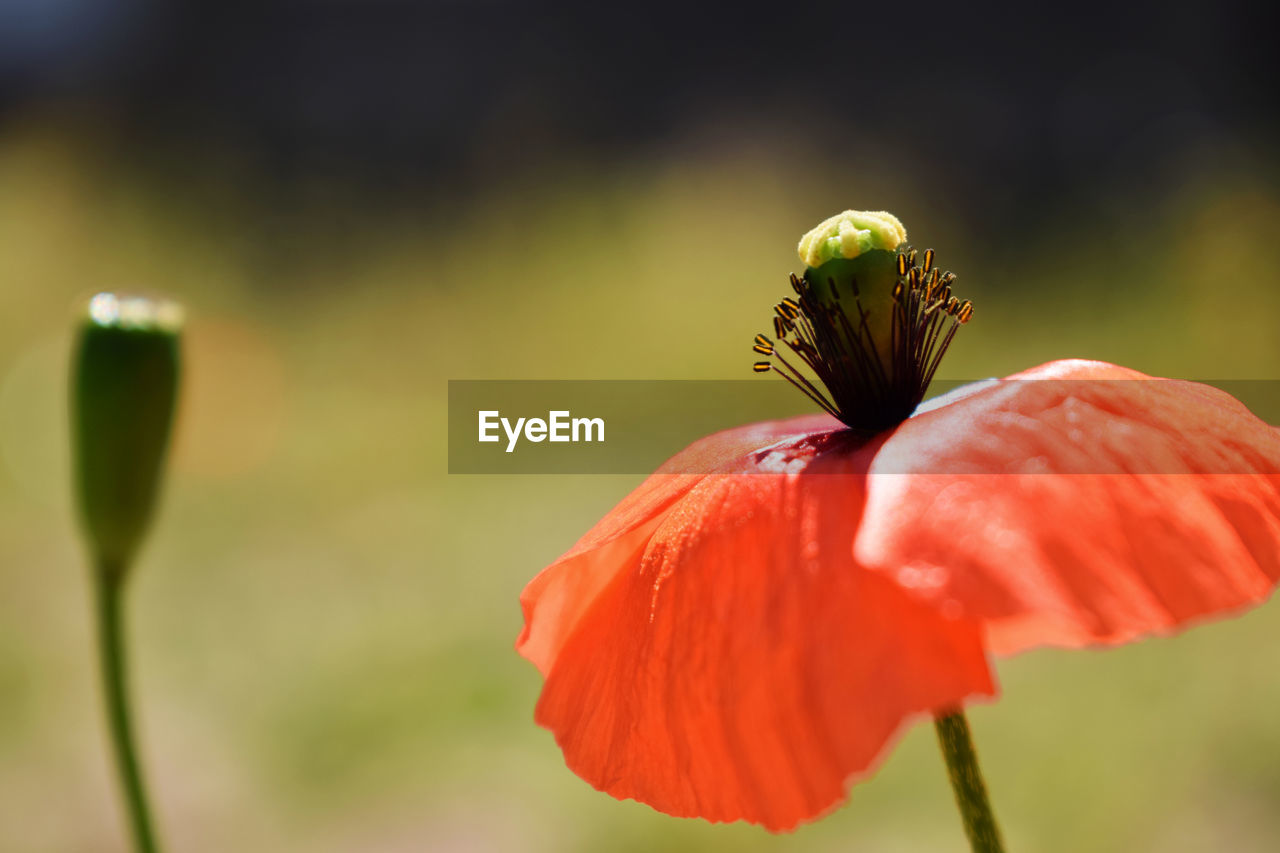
(871, 329)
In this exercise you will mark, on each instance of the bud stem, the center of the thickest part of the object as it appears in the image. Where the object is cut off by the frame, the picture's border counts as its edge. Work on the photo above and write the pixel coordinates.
(109, 591)
(966, 781)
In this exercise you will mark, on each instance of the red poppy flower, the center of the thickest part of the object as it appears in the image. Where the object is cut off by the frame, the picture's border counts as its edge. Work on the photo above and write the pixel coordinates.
(749, 628)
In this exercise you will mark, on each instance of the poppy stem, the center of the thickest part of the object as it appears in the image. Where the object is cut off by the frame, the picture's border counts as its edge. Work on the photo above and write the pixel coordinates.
(108, 589)
(966, 781)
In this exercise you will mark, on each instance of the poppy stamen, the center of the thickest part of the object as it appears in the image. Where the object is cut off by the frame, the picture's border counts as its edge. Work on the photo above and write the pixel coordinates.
(871, 322)
(796, 378)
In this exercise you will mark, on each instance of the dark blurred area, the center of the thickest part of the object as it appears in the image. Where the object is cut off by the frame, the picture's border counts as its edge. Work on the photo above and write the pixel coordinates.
(1022, 106)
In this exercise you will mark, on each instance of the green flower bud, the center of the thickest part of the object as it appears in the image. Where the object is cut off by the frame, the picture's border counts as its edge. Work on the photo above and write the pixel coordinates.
(123, 390)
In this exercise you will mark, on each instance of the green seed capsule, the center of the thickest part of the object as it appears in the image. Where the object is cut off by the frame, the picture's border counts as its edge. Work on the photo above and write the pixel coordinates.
(852, 262)
(124, 387)
(863, 288)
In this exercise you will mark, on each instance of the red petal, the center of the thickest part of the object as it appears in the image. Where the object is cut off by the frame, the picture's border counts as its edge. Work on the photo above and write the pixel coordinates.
(1175, 518)
(555, 599)
(738, 665)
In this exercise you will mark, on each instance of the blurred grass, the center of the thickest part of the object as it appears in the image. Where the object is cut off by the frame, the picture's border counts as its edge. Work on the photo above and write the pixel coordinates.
(324, 620)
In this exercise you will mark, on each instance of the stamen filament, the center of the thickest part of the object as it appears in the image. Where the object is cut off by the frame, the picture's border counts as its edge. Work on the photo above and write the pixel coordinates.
(875, 374)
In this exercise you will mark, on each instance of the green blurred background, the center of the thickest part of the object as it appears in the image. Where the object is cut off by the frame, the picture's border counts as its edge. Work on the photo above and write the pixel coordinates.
(323, 621)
